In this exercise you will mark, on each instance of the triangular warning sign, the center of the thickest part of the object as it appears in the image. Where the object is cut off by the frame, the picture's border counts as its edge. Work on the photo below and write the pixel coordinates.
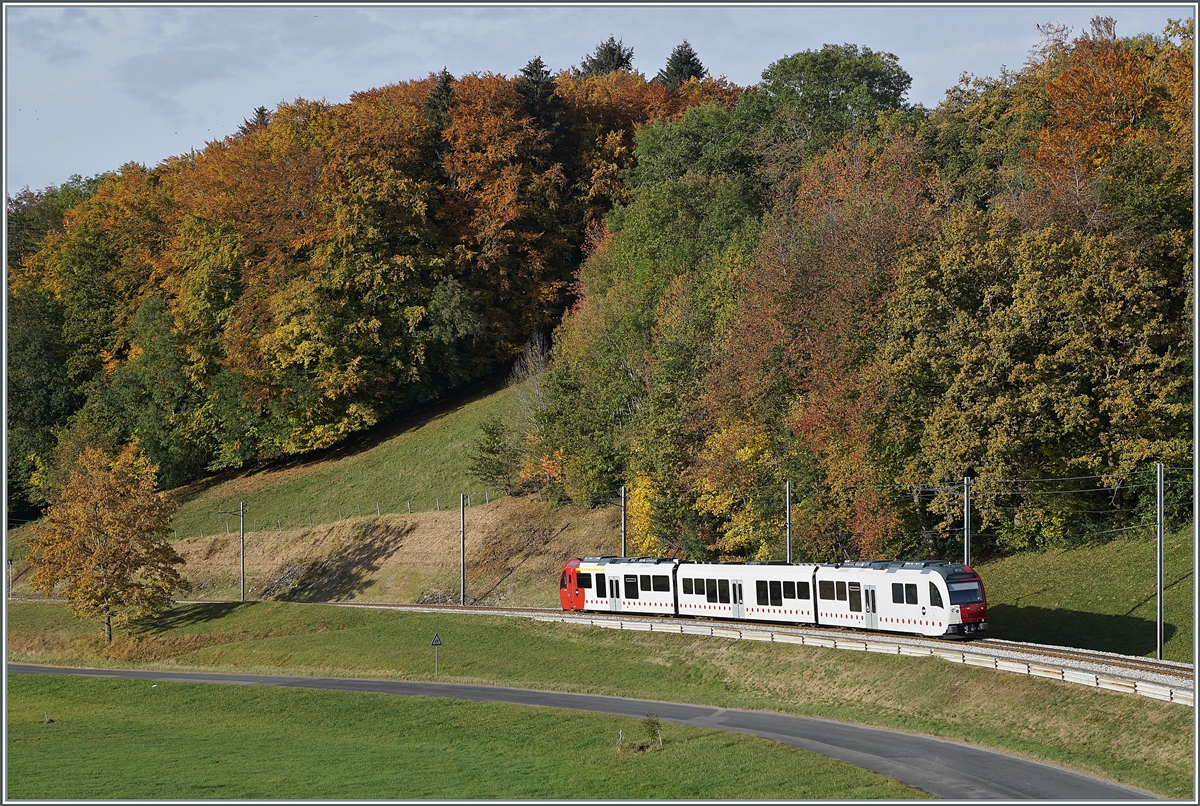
(436, 640)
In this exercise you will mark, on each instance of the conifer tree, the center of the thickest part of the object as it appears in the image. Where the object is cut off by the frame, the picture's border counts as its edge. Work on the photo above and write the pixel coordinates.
(440, 99)
(535, 85)
(683, 64)
(261, 120)
(608, 57)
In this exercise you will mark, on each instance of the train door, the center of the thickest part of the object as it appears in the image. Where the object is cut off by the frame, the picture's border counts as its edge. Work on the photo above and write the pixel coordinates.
(739, 610)
(614, 594)
(871, 621)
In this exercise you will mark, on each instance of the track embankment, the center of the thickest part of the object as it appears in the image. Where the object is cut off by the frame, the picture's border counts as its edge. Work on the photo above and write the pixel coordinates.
(1161, 680)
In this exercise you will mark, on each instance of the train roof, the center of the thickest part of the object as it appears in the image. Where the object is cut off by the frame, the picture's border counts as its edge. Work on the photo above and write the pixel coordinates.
(941, 567)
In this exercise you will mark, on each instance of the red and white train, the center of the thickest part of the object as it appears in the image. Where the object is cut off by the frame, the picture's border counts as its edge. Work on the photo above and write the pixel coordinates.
(929, 598)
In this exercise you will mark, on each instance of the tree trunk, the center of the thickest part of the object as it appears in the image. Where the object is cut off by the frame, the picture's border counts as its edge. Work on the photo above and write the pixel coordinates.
(107, 629)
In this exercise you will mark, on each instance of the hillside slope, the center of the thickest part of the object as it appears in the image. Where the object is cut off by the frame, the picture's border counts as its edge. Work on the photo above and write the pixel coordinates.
(515, 549)
(419, 463)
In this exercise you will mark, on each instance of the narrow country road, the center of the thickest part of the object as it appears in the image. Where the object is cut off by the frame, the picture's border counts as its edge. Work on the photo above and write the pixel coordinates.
(942, 768)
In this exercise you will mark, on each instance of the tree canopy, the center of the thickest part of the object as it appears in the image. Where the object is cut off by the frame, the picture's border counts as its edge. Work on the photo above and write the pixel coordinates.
(103, 542)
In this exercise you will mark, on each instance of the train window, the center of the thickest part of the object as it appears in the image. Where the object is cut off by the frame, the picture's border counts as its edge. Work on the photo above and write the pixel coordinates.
(965, 592)
(898, 593)
(789, 590)
(910, 593)
(646, 582)
(825, 587)
(631, 586)
(601, 586)
(760, 591)
(723, 587)
(687, 585)
(801, 590)
(856, 597)
(699, 587)
(562, 580)
(662, 582)
(776, 594)
(583, 580)
(935, 596)
(841, 591)
(712, 590)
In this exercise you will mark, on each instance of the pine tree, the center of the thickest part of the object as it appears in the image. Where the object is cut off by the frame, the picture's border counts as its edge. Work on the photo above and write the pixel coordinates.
(261, 120)
(535, 85)
(682, 65)
(608, 57)
(440, 99)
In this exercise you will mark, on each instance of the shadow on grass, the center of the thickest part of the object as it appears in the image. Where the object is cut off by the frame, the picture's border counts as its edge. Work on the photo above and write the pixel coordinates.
(1127, 635)
(344, 573)
(184, 615)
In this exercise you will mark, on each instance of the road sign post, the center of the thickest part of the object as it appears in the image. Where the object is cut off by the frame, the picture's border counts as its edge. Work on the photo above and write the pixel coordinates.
(437, 642)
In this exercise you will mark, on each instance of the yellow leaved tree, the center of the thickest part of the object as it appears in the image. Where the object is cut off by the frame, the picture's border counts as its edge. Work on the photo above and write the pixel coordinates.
(103, 542)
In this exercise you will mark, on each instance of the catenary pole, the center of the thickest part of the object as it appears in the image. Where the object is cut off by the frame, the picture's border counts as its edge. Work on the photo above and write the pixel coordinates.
(462, 546)
(787, 496)
(1158, 525)
(622, 520)
(966, 520)
(242, 540)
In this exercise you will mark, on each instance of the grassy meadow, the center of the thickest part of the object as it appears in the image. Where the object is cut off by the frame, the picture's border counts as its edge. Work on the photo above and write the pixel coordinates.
(198, 741)
(1130, 739)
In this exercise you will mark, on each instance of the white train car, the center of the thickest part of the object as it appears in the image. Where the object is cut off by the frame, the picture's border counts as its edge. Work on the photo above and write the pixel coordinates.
(930, 598)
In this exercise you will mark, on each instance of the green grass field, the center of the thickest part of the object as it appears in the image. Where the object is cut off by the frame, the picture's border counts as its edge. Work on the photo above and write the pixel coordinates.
(1130, 739)
(418, 460)
(198, 741)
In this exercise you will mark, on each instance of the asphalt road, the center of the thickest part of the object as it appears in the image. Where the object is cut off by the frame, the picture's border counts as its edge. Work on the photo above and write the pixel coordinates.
(943, 769)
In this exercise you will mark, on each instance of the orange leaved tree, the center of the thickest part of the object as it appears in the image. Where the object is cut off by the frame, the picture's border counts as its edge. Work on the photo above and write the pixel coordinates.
(103, 545)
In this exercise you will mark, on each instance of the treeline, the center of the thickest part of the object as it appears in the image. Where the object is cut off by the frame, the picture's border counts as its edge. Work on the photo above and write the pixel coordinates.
(322, 267)
(822, 284)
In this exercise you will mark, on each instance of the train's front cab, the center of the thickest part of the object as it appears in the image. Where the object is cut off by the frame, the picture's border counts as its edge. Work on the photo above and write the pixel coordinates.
(570, 595)
(968, 605)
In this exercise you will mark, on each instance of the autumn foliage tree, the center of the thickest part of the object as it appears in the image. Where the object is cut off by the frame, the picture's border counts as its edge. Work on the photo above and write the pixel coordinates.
(103, 542)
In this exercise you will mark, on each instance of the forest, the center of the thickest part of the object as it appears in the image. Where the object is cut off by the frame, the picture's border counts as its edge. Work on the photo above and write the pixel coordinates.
(702, 291)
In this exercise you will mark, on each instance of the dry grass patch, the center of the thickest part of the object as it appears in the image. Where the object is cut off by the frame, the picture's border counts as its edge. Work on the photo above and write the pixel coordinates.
(515, 550)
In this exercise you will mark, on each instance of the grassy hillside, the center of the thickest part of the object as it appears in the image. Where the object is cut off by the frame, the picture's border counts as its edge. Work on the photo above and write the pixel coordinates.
(1096, 597)
(1131, 739)
(419, 460)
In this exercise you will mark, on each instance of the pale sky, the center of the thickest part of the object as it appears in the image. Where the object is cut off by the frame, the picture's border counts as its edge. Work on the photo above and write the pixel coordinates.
(88, 88)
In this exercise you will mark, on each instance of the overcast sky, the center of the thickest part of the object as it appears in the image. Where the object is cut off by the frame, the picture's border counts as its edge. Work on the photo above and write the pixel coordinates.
(88, 89)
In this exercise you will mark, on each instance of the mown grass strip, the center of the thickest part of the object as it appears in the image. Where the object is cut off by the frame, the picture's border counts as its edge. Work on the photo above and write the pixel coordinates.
(1129, 739)
(71, 738)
